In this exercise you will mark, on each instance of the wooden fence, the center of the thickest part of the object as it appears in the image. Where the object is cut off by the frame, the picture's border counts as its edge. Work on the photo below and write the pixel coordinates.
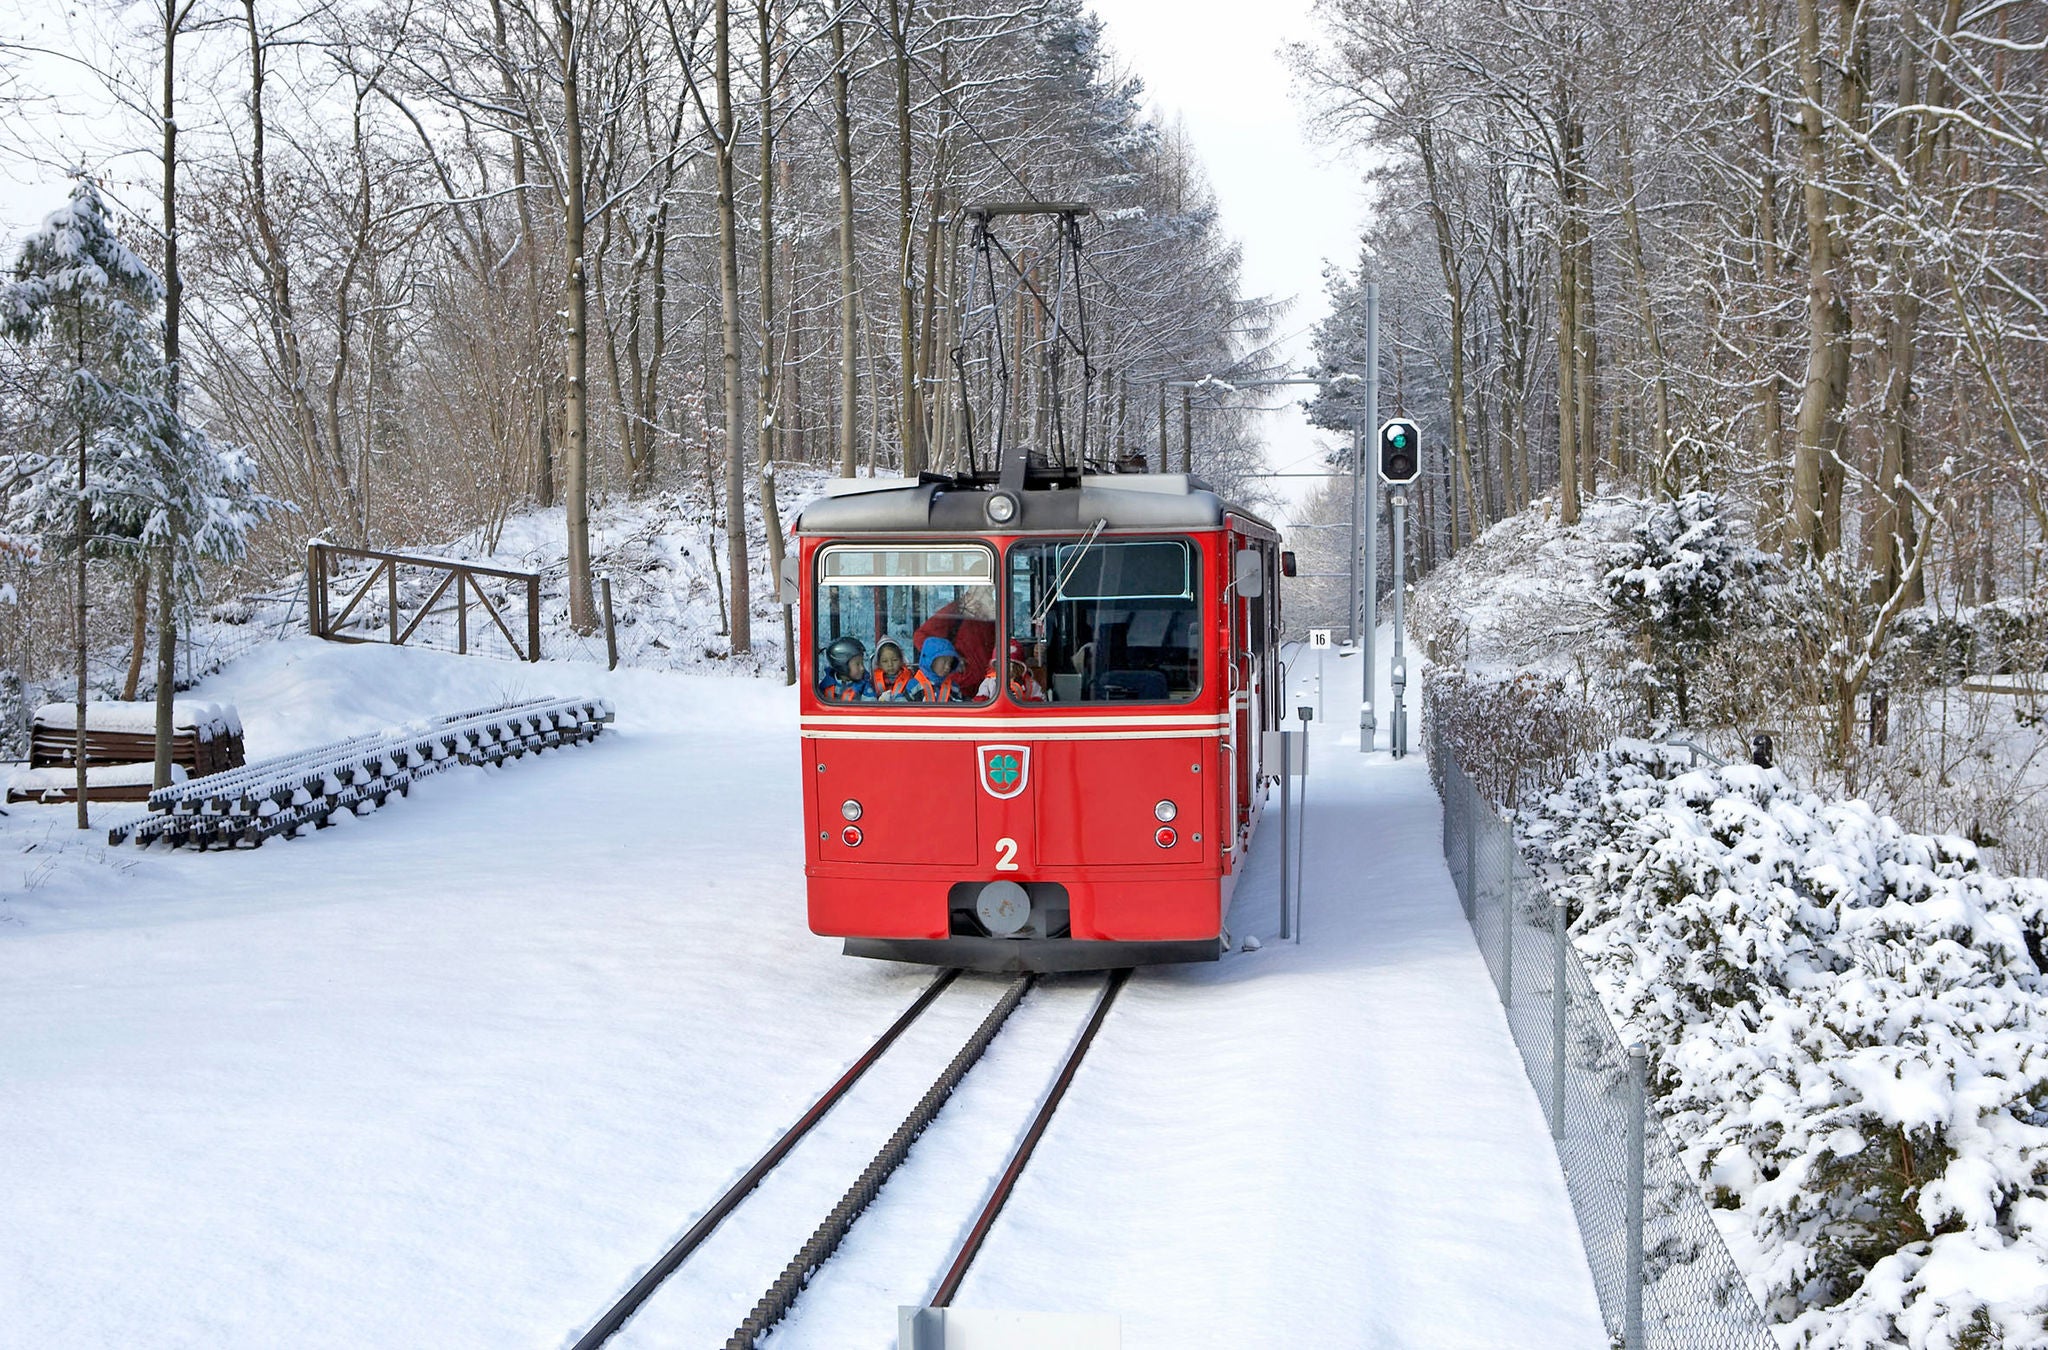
(325, 561)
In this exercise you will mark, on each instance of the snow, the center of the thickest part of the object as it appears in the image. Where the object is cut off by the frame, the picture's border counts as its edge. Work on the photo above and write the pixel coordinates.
(211, 719)
(65, 778)
(457, 1078)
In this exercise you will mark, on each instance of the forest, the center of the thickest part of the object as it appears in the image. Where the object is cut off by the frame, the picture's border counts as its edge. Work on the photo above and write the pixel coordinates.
(416, 269)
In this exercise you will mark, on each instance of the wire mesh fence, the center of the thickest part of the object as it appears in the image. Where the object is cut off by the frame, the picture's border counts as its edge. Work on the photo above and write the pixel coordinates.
(1663, 1274)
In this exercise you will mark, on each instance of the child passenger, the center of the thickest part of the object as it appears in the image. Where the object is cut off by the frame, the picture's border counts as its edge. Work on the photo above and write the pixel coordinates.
(894, 680)
(845, 676)
(941, 663)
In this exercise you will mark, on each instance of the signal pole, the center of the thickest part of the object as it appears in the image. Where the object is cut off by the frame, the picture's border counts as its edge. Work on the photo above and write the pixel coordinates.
(1400, 461)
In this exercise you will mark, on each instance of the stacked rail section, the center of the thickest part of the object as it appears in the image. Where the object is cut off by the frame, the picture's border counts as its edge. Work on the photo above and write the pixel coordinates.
(283, 795)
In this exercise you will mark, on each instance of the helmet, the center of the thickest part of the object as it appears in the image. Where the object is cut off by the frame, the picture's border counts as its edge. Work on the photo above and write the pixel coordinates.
(842, 652)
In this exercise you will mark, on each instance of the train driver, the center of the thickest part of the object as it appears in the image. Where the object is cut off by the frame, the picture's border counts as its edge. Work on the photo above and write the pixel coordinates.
(967, 623)
(845, 676)
(895, 680)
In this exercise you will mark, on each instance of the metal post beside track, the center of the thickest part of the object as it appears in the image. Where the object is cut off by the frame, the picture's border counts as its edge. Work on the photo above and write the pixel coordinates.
(1557, 1006)
(1632, 1277)
(1286, 796)
(1507, 939)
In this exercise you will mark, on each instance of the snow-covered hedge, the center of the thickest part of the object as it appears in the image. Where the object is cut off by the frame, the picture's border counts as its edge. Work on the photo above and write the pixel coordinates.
(1848, 1027)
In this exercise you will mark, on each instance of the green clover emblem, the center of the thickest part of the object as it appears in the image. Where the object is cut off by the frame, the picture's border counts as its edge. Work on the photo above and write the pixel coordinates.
(1002, 770)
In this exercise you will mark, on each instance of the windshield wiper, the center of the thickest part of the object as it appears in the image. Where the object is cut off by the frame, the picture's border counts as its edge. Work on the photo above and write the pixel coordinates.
(1065, 574)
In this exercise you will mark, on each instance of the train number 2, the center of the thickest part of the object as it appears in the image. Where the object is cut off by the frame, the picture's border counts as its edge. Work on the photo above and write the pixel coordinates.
(1006, 855)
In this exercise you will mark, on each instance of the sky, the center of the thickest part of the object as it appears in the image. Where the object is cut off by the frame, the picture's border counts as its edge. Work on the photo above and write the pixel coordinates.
(1218, 65)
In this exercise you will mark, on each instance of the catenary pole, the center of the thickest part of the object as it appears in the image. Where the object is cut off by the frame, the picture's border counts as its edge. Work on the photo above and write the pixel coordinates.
(1369, 567)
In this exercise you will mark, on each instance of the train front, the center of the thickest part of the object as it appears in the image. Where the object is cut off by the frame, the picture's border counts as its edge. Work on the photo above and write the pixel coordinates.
(1015, 738)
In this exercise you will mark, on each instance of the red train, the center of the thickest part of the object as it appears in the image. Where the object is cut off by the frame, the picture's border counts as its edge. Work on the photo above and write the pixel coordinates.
(1088, 802)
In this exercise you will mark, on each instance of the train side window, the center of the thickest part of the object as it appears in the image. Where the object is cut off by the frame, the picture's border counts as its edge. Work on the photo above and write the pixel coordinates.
(930, 601)
(1116, 620)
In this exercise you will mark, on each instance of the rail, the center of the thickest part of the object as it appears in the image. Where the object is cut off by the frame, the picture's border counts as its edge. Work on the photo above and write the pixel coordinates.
(783, 1292)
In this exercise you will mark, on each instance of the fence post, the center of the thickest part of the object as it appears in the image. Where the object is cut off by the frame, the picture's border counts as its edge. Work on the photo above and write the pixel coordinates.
(1468, 802)
(461, 611)
(611, 632)
(391, 596)
(533, 617)
(316, 589)
(1557, 1009)
(1507, 933)
(1632, 1277)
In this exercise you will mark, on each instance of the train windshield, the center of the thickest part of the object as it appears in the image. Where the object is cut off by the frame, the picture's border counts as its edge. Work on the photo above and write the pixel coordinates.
(908, 624)
(1095, 621)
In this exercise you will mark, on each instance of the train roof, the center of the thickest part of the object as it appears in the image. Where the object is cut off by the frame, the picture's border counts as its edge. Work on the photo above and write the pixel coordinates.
(1130, 501)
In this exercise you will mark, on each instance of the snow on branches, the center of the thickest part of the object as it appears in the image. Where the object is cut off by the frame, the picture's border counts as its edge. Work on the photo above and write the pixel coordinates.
(1848, 1023)
(81, 307)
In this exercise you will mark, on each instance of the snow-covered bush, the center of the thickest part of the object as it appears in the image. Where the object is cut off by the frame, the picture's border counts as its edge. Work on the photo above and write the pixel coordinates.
(1848, 1026)
(1552, 726)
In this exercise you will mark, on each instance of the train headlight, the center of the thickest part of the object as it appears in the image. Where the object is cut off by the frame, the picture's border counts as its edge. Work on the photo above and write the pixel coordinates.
(1001, 508)
(1165, 811)
(851, 809)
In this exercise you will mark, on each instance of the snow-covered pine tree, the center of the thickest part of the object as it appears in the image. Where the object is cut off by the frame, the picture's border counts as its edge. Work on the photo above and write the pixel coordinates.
(114, 470)
(1672, 581)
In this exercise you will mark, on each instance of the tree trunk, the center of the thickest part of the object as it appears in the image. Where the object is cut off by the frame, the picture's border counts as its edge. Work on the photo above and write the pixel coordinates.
(575, 409)
(1819, 433)
(770, 413)
(174, 317)
(325, 462)
(849, 287)
(1663, 472)
(1567, 405)
(900, 15)
(729, 315)
(138, 633)
(78, 616)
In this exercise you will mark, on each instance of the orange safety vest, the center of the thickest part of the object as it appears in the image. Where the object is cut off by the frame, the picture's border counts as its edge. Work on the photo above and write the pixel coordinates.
(905, 686)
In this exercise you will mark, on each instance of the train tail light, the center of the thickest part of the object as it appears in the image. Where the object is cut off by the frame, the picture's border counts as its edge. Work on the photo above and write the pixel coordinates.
(851, 836)
(1166, 838)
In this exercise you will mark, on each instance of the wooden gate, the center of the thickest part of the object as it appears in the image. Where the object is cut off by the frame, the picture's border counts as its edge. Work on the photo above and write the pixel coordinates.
(325, 562)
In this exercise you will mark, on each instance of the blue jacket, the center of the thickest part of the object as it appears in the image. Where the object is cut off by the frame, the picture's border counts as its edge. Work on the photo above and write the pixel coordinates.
(947, 688)
(832, 689)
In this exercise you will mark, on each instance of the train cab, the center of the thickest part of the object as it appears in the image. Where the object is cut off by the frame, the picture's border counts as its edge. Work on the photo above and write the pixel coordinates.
(1031, 716)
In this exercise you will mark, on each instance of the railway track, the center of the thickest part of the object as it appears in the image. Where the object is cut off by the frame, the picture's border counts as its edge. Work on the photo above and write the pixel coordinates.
(784, 1290)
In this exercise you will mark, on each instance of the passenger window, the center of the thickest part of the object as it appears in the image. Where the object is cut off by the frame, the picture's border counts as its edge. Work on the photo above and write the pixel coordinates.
(905, 626)
(1107, 621)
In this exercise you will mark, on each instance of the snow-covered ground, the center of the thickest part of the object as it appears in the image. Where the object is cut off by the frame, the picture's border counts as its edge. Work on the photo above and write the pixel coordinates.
(453, 1074)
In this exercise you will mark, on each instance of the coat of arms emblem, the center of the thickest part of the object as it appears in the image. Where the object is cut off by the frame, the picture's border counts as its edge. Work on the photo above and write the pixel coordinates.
(1005, 769)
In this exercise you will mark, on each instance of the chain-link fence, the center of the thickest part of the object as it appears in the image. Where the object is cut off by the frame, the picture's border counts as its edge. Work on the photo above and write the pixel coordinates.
(1663, 1273)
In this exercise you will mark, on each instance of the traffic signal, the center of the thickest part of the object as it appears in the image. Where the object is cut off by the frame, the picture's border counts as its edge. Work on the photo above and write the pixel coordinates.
(1400, 450)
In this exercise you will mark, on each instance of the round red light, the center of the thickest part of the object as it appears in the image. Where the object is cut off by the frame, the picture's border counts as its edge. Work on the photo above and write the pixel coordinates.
(851, 834)
(1166, 837)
